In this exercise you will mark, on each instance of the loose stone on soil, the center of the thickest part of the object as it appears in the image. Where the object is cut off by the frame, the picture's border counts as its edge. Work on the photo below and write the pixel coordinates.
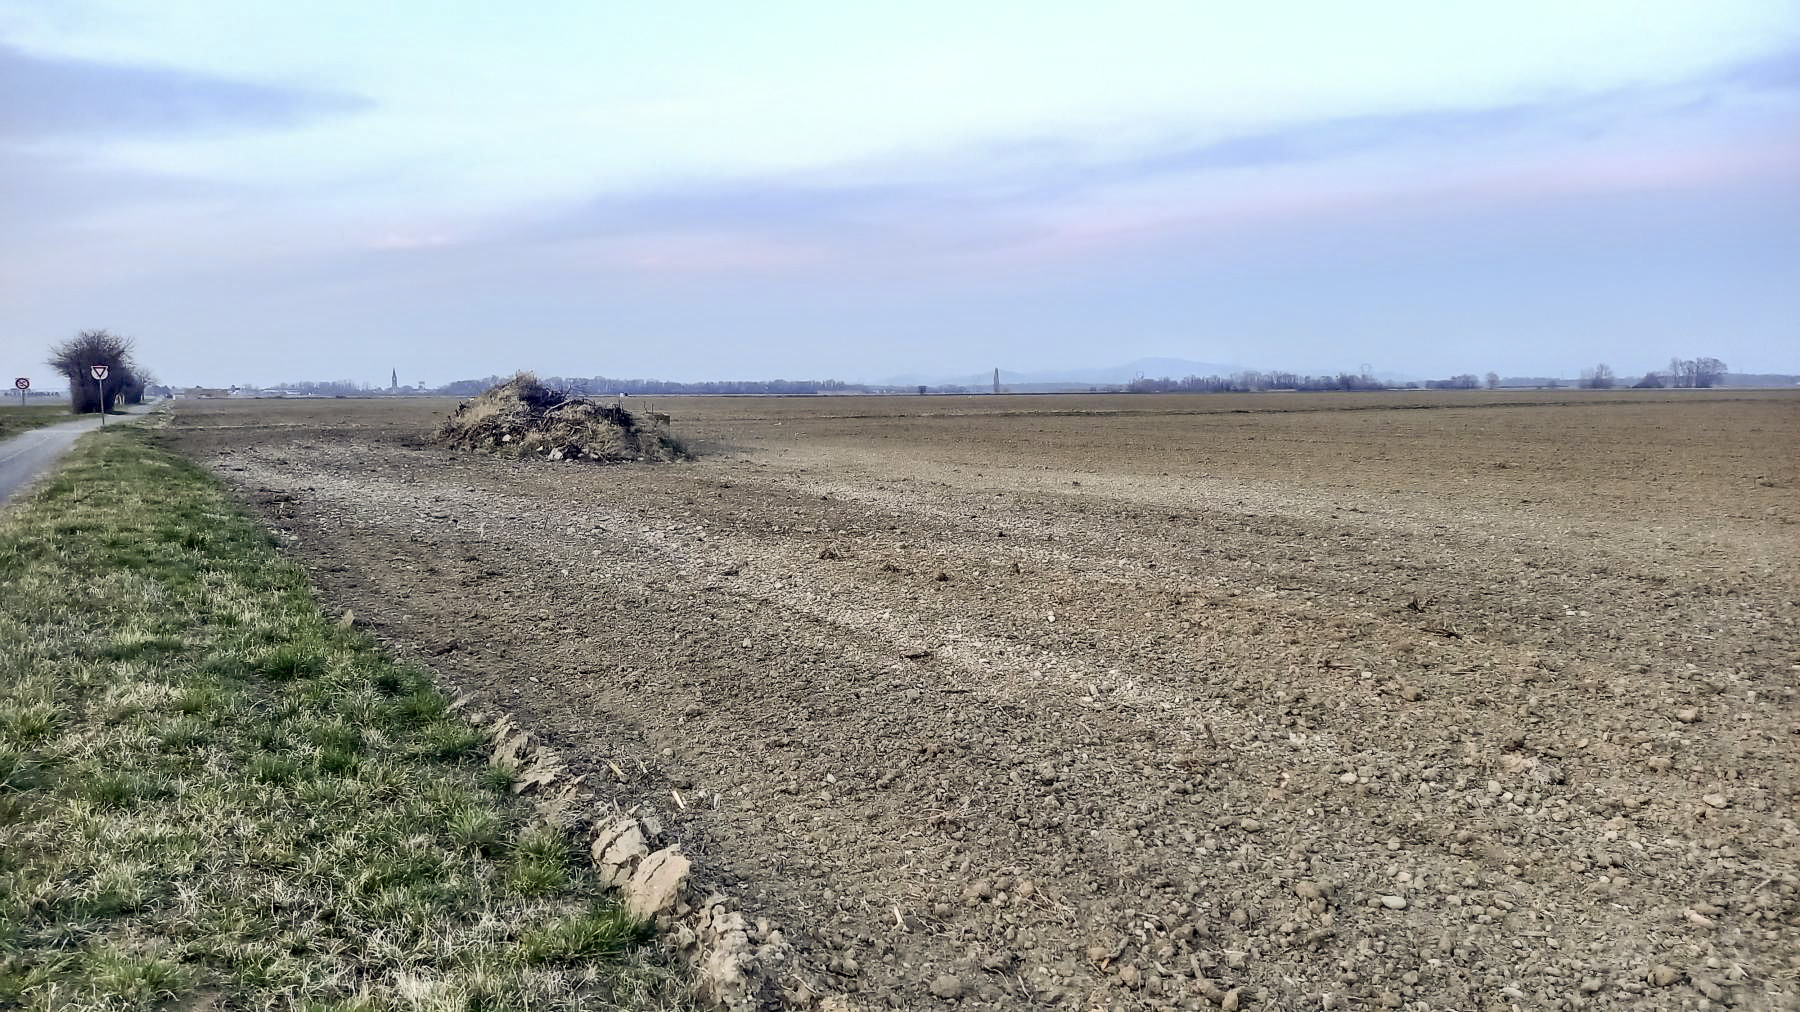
(947, 986)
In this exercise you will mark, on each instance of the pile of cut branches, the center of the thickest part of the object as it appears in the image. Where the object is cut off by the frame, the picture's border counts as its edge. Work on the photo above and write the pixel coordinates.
(523, 417)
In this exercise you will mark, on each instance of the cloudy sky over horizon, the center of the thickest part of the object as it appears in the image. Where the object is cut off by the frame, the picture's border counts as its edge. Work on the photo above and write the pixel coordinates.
(262, 191)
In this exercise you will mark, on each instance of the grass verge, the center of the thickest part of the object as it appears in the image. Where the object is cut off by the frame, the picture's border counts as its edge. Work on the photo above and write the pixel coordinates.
(15, 419)
(211, 796)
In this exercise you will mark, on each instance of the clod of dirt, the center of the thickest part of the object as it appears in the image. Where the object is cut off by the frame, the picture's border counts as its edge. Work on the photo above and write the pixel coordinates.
(734, 970)
(617, 850)
(947, 987)
(523, 417)
(657, 883)
(1000, 962)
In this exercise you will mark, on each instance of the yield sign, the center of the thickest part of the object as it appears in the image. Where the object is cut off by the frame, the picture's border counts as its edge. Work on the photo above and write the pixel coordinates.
(99, 371)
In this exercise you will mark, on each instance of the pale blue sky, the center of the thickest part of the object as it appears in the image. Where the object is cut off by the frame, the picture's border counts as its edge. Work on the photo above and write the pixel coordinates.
(260, 191)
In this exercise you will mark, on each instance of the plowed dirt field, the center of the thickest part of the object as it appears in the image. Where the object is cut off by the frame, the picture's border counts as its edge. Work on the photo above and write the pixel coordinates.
(1446, 701)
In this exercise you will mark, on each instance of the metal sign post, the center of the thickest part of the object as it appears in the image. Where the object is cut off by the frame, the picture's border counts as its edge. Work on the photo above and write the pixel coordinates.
(23, 385)
(100, 372)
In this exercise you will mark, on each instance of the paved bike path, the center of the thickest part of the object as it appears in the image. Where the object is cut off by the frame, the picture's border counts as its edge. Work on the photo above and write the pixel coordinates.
(26, 456)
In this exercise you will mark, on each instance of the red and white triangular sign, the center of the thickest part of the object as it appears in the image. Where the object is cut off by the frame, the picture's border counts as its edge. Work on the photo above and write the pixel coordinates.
(99, 371)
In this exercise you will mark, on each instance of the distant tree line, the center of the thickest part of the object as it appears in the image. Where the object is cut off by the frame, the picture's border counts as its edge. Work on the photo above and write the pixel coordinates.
(599, 386)
(1685, 373)
(1699, 372)
(1599, 377)
(329, 388)
(1252, 381)
(1693, 372)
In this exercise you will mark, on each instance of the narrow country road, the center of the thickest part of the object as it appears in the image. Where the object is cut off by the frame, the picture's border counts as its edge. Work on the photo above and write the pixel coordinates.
(29, 454)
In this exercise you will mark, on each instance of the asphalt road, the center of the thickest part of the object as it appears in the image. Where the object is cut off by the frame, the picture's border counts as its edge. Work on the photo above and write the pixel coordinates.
(29, 454)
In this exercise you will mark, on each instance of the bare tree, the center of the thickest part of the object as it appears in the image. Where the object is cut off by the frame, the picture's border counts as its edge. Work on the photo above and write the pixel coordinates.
(76, 357)
(131, 391)
(1696, 372)
(1493, 381)
(1600, 377)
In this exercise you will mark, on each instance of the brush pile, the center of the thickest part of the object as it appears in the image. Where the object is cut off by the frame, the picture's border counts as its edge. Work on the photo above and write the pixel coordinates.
(523, 418)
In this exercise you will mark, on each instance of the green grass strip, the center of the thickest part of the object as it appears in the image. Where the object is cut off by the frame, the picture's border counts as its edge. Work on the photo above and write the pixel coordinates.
(15, 419)
(212, 796)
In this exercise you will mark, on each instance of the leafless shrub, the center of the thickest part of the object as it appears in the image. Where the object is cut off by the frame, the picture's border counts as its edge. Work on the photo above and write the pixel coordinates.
(75, 358)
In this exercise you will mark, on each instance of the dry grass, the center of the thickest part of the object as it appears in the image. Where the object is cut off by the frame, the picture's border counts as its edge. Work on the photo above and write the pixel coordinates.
(211, 796)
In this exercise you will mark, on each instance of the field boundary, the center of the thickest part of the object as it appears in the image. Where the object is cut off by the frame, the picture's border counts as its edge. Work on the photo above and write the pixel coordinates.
(206, 787)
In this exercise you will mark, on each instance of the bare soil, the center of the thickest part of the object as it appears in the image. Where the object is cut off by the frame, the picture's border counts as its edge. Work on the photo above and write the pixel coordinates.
(1465, 701)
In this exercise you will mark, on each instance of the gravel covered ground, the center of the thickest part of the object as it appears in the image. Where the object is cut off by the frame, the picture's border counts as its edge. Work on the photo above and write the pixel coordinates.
(1447, 701)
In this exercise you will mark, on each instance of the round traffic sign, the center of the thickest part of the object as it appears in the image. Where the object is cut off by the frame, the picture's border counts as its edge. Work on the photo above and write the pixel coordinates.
(22, 383)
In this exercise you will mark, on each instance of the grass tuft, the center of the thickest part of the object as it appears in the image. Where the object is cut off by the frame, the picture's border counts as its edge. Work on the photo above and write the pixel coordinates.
(477, 828)
(118, 789)
(137, 979)
(286, 663)
(183, 734)
(599, 933)
(452, 739)
(26, 723)
(498, 779)
(20, 770)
